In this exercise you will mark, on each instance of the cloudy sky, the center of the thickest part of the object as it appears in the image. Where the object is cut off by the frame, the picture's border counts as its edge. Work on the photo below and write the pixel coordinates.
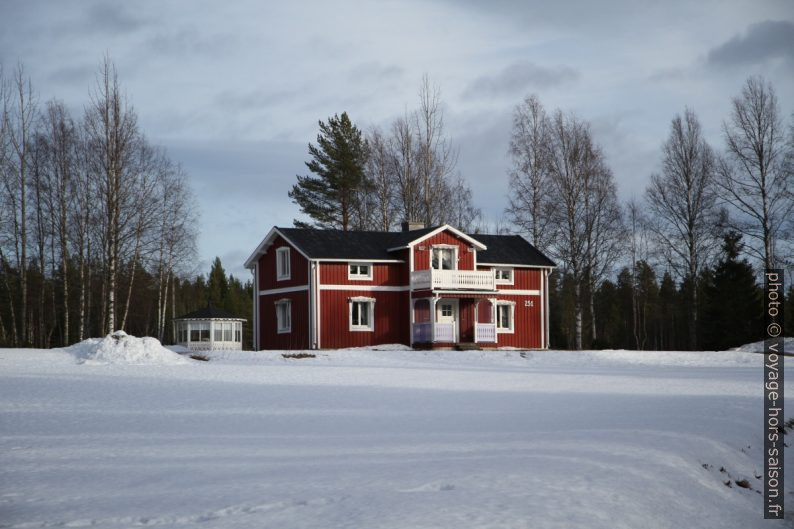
(234, 89)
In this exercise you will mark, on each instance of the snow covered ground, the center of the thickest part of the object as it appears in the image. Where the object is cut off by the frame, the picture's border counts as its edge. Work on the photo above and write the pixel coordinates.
(367, 438)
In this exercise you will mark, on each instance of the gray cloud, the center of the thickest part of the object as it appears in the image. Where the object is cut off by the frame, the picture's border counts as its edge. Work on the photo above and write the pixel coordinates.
(518, 77)
(376, 71)
(111, 18)
(763, 40)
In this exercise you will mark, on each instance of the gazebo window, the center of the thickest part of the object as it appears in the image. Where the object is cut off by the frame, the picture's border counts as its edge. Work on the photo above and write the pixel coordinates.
(238, 332)
(227, 331)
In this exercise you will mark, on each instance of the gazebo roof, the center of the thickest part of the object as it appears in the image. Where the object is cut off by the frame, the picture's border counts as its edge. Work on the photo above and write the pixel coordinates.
(209, 313)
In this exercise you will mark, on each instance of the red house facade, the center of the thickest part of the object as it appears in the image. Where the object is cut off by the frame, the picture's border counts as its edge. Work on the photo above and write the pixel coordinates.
(429, 287)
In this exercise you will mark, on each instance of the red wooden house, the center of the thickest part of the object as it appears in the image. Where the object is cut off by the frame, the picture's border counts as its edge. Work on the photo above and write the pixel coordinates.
(427, 287)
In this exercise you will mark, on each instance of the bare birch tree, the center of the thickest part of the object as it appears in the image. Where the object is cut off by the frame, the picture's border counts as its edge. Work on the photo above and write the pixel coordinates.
(683, 200)
(19, 115)
(753, 175)
(529, 203)
(436, 158)
(382, 181)
(114, 139)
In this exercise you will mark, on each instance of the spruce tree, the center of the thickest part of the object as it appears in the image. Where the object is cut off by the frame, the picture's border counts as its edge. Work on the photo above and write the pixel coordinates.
(217, 286)
(337, 162)
(732, 308)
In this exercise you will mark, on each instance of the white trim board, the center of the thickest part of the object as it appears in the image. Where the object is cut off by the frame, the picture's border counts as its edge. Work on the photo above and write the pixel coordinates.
(273, 231)
(284, 290)
(509, 265)
(364, 288)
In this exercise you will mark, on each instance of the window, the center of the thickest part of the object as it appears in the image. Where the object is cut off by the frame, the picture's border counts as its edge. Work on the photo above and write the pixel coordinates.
(504, 276)
(359, 271)
(444, 257)
(446, 309)
(227, 331)
(282, 263)
(361, 314)
(238, 332)
(217, 331)
(505, 314)
(283, 316)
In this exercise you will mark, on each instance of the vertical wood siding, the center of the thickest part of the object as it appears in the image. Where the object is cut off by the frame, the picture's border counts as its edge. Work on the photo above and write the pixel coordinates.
(383, 274)
(299, 272)
(298, 338)
(390, 317)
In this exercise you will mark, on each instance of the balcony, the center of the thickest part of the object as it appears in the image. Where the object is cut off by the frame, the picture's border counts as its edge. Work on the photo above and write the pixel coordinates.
(453, 280)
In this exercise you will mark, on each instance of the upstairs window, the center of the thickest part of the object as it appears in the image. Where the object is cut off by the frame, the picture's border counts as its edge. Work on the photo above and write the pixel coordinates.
(283, 316)
(282, 263)
(444, 257)
(359, 271)
(361, 314)
(504, 276)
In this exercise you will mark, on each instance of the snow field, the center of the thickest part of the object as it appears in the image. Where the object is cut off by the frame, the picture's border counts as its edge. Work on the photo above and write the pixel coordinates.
(382, 438)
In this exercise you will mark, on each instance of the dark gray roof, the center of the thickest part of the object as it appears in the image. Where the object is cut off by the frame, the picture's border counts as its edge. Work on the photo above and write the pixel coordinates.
(207, 313)
(338, 244)
(510, 249)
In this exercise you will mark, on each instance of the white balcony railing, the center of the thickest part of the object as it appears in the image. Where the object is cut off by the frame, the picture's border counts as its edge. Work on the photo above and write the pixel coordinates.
(485, 333)
(453, 280)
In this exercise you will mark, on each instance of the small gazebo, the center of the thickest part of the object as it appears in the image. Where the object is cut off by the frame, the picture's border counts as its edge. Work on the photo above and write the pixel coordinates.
(209, 329)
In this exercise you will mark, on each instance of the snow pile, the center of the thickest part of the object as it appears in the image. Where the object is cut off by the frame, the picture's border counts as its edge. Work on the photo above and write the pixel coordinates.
(121, 348)
(758, 347)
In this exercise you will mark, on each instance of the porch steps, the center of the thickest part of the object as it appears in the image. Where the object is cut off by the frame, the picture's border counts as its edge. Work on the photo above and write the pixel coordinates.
(467, 346)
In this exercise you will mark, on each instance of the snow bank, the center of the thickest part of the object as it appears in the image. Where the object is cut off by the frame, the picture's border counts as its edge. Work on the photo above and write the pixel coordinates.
(758, 347)
(121, 348)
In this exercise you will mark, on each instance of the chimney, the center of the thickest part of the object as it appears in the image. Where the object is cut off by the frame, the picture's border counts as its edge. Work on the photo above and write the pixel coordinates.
(411, 225)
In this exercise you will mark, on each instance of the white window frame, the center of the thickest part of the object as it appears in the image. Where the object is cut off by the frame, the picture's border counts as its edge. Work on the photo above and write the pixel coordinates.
(283, 327)
(358, 276)
(361, 328)
(452, 247)
(512, 311)
(281, 274)
(502, 281)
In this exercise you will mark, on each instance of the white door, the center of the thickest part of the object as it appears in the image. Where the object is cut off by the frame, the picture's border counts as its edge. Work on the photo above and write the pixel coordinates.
(447, 315)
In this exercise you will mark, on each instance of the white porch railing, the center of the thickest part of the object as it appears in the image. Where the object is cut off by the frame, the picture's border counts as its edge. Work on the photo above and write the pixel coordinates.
(445, 332)
(453, 280)
(485, 333)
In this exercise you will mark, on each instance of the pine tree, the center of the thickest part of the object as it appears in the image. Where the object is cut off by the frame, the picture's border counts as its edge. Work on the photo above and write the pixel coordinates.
(732, 300)
(338, 161)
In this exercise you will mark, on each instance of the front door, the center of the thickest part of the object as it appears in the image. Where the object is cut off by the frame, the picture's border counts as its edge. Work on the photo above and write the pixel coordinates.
(447, 315)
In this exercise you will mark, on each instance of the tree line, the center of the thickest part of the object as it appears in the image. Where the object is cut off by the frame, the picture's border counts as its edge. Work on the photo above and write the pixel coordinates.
(687, 282)
(701, 214)
(373, 180)
(96, 223)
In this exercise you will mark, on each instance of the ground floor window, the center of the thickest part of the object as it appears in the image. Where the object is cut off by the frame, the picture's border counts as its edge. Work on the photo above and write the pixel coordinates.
(505, 315)
(284, 316)
(361, 314)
